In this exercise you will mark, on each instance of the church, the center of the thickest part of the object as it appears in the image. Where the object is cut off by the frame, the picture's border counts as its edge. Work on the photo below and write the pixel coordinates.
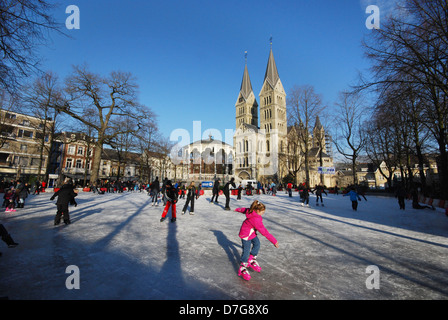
(262, 147)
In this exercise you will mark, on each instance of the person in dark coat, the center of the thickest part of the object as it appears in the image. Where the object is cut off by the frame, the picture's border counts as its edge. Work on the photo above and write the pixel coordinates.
(155, 189)
(191, 194)
(22, 191)
(66, 195)
(401, 194)
(215, 191)
(171, 195)
(227, 192)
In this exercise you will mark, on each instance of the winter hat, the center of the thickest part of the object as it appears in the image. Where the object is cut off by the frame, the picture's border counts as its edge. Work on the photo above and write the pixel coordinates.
(168, 183)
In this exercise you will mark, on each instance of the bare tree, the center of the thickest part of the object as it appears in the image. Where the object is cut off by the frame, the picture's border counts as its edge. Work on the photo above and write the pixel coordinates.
(112, 97)
(42, 99)
(24, 26)
(349, 136)
(304, 105)
(412, 48)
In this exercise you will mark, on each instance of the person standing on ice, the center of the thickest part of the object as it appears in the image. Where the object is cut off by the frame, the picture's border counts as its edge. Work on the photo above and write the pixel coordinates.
(319, 189)
(401, 194)
(215, 191)
(249, 238)
(227, 192)
(191, 194)
(155, 189)
(354, 197)
(306, 196)
(171, 200)
(65, 195)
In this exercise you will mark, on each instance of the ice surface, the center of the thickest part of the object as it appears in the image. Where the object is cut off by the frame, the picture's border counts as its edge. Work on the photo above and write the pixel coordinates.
(123, 251)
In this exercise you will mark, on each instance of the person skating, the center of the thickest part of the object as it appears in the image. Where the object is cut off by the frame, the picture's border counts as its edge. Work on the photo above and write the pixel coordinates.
(319, 190)
(171, 200)
(289, 189)
(249, 239)
(155, 189)
(215, 191)
(6, 237)
(305, 196)
(9, 199)
(400, 195)
(191, 195)
(240, 188)
(22, 192)
(354, 197)
(66, 195)
(227, 192)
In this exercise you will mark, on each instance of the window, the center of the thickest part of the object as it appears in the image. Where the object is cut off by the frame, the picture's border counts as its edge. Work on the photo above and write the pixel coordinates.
(10, 116)
(34, 161)
(80, 151)
(25, 134)
(26, 123)
(69, 163)
(71, 149)
(23, 148)
(78, 163)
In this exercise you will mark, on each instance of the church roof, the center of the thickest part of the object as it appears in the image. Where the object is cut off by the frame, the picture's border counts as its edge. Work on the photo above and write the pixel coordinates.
(246, 86)
(271, 75)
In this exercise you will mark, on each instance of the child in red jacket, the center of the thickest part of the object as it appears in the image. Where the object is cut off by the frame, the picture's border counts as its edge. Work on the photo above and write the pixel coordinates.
(249, 239)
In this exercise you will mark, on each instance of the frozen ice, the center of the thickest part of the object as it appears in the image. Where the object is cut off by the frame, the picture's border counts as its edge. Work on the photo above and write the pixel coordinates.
(123, 251)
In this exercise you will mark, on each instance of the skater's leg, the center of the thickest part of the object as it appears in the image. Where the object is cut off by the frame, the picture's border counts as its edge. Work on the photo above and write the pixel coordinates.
(173, 211)
(227, 201)
(165, 211)
(192, 205)
(255, 246)
(186, 205)
(65, 215)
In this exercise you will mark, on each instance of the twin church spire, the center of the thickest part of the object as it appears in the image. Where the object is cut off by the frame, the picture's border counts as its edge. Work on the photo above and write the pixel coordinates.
(272, 100)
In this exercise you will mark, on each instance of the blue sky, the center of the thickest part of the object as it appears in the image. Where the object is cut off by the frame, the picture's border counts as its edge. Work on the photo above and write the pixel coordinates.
(188, 55)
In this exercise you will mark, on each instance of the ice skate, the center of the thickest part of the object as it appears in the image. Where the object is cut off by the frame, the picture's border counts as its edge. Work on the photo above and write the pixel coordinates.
(183, 212)
(243, 272)
(191, 213)
(253, 263)
(173, 219)
(162, 219)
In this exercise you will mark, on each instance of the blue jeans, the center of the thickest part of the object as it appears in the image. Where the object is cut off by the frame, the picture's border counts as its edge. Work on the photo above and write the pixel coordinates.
(250, 247)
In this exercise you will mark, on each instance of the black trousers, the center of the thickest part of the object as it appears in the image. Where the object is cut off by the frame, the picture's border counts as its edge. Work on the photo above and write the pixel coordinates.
(355, 205)
(62, 211)
(187, 202)
(215, 196)
(227, 200)
(401, 202)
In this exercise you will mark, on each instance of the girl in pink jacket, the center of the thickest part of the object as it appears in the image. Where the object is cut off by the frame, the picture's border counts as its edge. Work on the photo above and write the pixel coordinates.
(249, 239)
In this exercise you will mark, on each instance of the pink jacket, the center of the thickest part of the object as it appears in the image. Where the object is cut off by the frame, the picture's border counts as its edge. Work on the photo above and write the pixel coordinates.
(252, 224)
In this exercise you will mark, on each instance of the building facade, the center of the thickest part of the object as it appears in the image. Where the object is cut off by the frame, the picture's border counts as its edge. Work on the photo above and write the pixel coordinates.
(24, 145)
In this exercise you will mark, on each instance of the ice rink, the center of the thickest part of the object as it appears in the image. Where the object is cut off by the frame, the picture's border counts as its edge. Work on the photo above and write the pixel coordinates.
(116, 248)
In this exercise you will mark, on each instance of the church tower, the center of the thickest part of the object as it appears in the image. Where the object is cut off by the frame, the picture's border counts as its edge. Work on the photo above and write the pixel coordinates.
(246, 104)
(273, 105)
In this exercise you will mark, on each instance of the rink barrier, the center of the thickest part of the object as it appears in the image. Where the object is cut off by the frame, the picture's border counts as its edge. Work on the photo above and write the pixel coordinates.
(438, 203)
